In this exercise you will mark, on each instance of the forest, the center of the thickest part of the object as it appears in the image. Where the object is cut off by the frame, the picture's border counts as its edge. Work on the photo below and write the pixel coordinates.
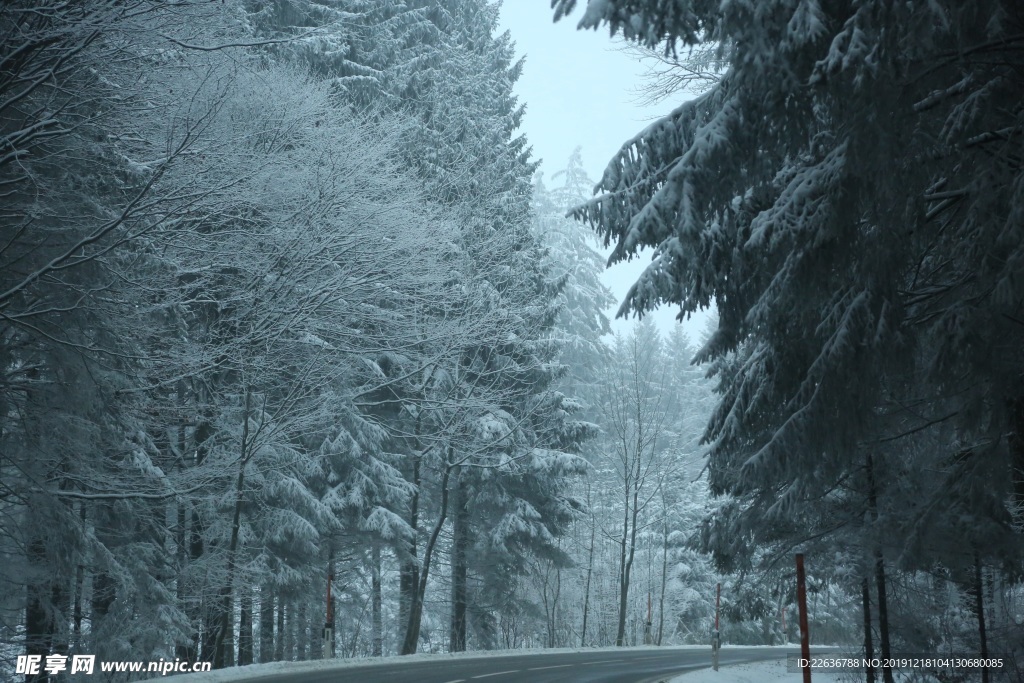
(288, 310)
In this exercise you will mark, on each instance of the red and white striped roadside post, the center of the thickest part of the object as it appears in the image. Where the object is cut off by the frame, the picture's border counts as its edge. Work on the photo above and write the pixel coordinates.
(805, 636)
(329, 623)
(716, 642)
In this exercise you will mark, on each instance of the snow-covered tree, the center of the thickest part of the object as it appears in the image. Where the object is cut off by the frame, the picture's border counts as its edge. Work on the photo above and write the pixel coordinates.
(850, 204)
(636, 409)
(91, 475)
(572, 255)
(441, 65)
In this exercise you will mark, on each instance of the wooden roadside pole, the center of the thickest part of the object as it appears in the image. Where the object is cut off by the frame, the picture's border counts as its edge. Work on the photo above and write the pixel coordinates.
(805, 638)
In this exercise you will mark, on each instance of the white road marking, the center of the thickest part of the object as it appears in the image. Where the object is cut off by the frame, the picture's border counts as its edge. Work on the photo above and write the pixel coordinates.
(606, 661)
(457, 680)
(497, 673)
(541, 668)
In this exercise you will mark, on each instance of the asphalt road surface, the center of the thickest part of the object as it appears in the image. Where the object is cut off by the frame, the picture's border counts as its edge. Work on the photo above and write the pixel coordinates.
(618, 666)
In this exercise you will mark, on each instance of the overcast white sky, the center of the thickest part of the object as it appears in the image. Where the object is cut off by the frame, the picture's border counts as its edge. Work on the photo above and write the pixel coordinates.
(578, 88)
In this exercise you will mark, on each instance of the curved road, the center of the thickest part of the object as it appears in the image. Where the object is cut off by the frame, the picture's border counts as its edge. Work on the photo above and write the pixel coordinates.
(603, 666)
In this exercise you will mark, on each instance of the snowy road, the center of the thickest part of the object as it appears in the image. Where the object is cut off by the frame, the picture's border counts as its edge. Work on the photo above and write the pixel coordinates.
(616, 666)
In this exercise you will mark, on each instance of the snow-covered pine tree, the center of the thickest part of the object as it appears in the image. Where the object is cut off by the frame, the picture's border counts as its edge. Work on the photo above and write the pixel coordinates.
(81, 448)
(305, 266)
(572, 255)
(441, 65)
(371, 51)
(861, 241)
(581, 323)
(482, 170)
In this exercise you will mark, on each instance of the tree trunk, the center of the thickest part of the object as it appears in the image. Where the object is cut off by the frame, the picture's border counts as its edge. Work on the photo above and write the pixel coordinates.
(78, 614)
(39, 626)
(621, 618)
(590, 571)
(202, 642)
(196, 608)
(332, 613)
(664, 578)
(279, 645)
(266, 625)
(378, 623)
(60, 604)
(460, 543)
(181, 536)
(869, 649)
(78, 610)
(104, 589)
(883, 616)
(1016, 444)
(224, 646)
(315, 637)
(412, 632)
(182, 651)
(883, 606)
(409, 578)
(245, 627)
(211, 629)
(289, 632)
(627, 555)
(301, 633)
(979, 611)
(553, 633)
